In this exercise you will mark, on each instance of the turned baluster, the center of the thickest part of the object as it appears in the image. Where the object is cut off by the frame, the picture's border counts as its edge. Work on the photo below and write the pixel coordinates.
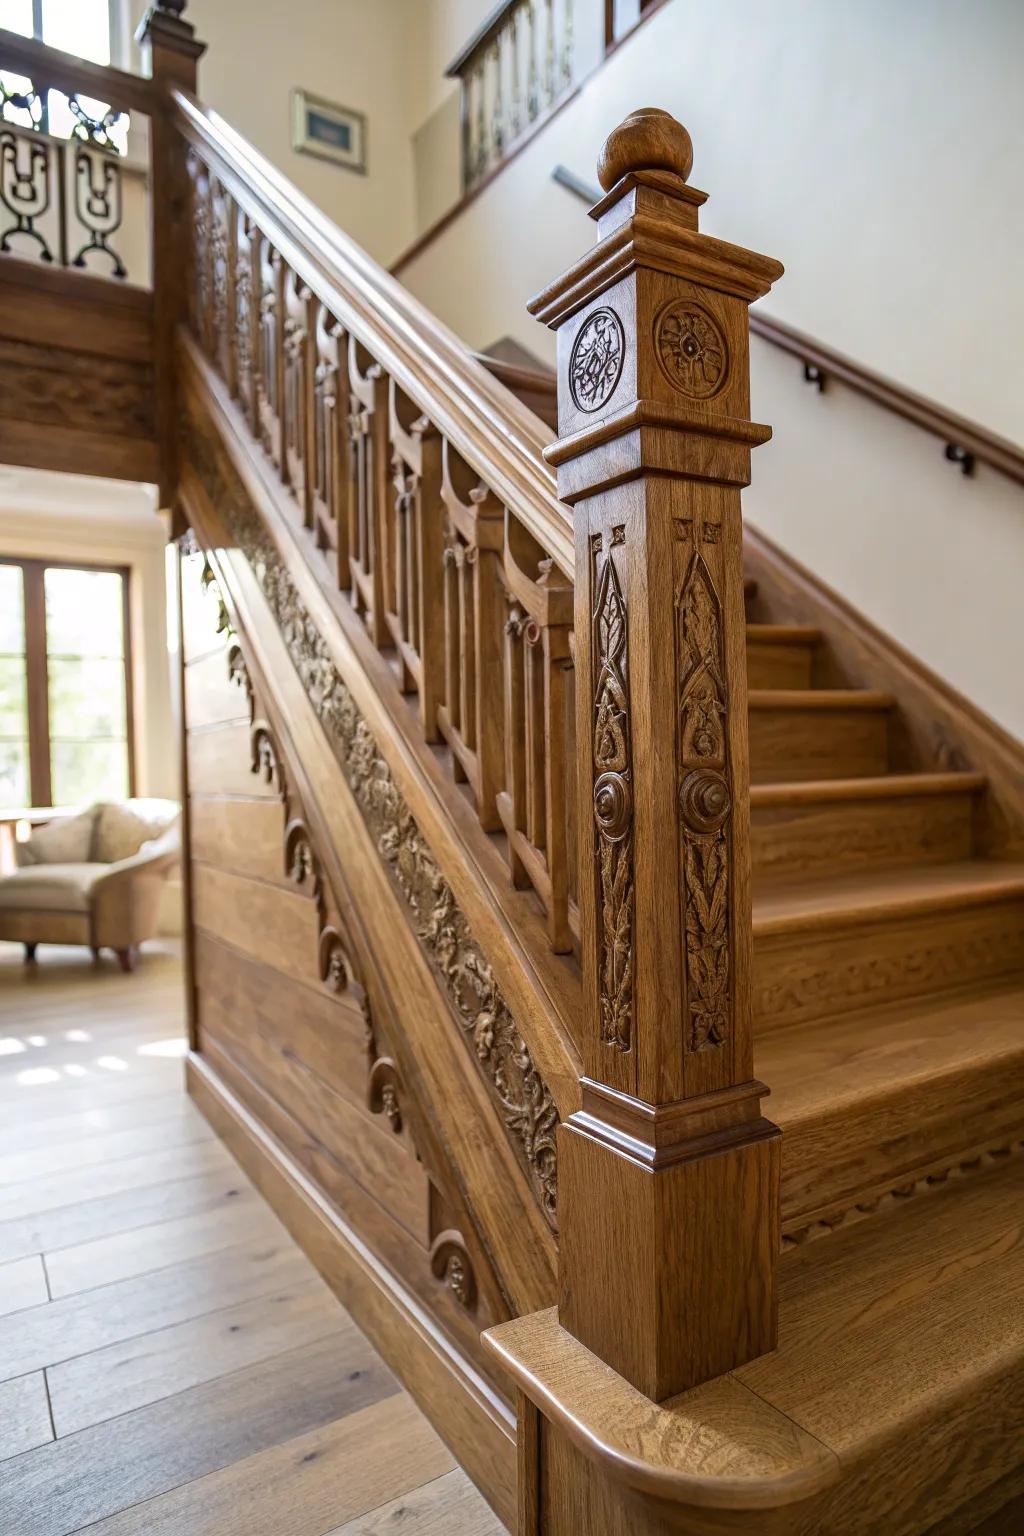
(246, 325)
(270, 356)
(669, 1174)
(532, 72)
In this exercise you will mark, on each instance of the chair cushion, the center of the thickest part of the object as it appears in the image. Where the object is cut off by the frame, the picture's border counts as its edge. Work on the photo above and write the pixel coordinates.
(65, 841)
(50, 887)
(123, 826)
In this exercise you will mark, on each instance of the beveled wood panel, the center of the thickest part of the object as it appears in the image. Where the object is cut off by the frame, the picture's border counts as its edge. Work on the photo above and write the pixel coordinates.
(323, 1032)
(335, 1130)
(211, 696)
(276, 926)
(219, 763)
(56, 307)
(241, 837)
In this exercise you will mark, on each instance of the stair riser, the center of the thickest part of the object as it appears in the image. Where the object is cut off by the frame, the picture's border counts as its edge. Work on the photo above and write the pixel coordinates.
(779, 666)
(789, 841)
(796, 745)
(833, 970)
(854, 1155)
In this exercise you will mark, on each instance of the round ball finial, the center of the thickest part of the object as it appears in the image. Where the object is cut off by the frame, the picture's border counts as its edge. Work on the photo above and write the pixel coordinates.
(647, 140)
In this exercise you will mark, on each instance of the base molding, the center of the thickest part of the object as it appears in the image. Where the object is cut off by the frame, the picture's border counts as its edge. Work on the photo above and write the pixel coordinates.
(478, 1428)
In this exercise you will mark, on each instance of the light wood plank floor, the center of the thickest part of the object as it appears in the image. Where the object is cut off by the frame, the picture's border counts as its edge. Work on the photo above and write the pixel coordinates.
(170, 1362)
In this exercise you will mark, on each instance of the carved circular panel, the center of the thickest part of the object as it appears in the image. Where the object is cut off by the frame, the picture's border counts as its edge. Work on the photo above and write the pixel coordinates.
(704, 800)
(595, 363)
(691, 349)
(613, 803)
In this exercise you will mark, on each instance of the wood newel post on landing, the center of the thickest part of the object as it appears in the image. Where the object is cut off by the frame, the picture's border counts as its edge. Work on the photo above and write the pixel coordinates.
(669, 1174)
(174, 53)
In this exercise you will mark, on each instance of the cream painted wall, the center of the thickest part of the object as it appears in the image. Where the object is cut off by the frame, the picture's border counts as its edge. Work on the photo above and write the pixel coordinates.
(363, 54)
(875, 150)
(79, 517)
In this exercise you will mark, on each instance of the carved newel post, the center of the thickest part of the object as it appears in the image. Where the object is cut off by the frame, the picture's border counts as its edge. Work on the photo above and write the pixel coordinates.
(174, 55)
(669, 1174)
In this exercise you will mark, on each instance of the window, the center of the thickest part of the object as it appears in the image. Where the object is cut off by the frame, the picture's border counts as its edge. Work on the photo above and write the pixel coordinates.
(65, 684)
(81, 27)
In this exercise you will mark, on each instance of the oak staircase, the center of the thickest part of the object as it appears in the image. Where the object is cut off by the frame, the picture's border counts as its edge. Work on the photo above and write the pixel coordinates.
(456, 932)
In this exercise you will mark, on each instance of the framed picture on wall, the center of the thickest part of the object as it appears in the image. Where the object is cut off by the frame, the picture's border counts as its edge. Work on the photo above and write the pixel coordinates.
(330, 131)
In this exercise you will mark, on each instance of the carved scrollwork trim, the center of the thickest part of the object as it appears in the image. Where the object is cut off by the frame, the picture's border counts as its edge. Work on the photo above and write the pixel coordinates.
(705, 806)
(527, 1108)
(450, 1263)
(300, 862)
(384, 1092)
(613, 800)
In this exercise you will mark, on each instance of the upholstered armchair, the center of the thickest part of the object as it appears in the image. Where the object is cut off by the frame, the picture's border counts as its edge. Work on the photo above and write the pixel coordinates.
(93, 879)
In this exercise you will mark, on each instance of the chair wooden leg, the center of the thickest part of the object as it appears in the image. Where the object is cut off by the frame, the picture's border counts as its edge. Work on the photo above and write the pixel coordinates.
(126, 959)
(95, 951)
(30, 952)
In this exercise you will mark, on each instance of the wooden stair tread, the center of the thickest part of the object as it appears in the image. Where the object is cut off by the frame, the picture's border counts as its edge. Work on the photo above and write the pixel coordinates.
(875, 1100)
(871, 897)
(820, 698)
(878, 786)
(783, 634)
(902, 1335)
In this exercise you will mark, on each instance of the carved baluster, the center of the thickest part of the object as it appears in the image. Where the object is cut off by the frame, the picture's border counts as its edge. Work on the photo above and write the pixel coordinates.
(222, 278)
(512, 800)
(418, 627)
(270, 367)
(246, 289)
(567, 45)
(369, 488)
(199, 308)
(498, 105)
(330, 477)
(532, 73)
(475, 613)
(299, 322)
(669, 1175)
(550, 52)
(515, 107)
(483, 153)
(533, 806)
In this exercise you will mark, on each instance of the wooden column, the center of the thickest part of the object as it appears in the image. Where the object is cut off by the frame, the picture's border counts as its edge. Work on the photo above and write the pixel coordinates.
(668, 1192)
(174, 54)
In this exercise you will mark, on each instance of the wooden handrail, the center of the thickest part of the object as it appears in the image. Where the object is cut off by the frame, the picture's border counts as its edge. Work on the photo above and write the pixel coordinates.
(51, 67)
(485, 422)
(966, 442)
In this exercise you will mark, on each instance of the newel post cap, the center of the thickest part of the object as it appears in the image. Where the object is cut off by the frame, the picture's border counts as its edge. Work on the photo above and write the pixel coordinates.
(647, 140)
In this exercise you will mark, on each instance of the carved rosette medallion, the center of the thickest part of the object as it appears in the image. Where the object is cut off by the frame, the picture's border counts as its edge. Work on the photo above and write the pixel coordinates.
(691, 349)
(523, 1098)
(613, 800)
(705, 805)
(595, 363)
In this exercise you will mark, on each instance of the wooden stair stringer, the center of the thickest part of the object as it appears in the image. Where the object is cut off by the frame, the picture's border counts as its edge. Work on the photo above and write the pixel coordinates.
(435, 1065)
(542, 989)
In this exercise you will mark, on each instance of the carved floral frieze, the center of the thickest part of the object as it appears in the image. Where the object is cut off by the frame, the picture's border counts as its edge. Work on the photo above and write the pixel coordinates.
(503, 1058)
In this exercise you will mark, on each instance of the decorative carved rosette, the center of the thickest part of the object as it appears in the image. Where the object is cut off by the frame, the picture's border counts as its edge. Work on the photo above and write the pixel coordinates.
(613, 799)
(595, 363)
(691, 349)
(527, 1108)
(705, 805)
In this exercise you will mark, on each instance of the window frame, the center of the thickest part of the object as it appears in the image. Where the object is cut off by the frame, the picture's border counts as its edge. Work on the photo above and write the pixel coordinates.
(37, 686)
